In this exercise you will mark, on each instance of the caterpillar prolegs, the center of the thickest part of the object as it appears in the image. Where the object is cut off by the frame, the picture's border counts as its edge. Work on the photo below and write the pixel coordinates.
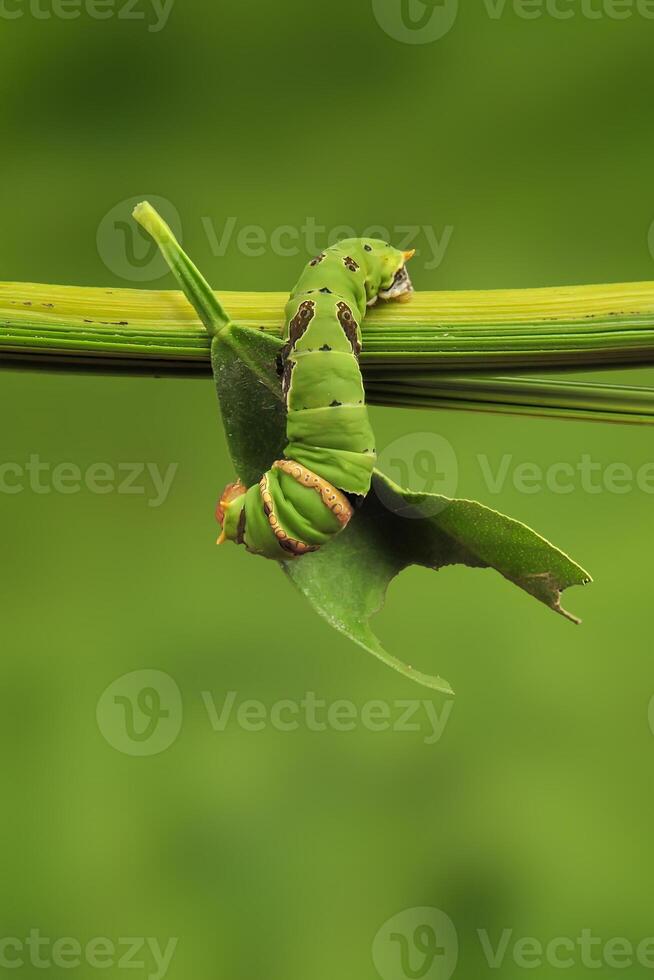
(309, 496)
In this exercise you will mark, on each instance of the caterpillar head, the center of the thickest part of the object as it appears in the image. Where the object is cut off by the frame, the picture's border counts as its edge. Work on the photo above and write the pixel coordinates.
(388, 267)
(229, 509)
(401, 286)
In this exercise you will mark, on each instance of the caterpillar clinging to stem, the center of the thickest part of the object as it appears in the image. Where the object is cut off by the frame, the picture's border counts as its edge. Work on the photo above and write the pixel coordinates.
(307, 497)
(310, 418)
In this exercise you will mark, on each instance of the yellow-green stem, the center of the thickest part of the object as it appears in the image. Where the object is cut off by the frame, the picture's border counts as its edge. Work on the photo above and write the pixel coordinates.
(414, 354)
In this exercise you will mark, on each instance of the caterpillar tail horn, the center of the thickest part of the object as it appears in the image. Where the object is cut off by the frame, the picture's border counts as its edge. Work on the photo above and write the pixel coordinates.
(193, 284)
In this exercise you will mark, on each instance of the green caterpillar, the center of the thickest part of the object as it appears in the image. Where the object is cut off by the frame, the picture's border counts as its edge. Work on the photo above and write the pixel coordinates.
(309, 496)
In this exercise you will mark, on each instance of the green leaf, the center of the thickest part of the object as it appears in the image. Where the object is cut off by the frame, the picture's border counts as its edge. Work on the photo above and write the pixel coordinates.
(251, 403)
(346, 581)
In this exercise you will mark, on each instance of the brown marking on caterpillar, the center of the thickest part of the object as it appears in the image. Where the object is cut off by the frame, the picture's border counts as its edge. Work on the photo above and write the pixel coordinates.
(297, 548)
(297, 328)
(318, 259)
(280, 360)
(332, 498)
(349, 325)
(350, 264)
(240, 530)
(287, 371)
(300, 322)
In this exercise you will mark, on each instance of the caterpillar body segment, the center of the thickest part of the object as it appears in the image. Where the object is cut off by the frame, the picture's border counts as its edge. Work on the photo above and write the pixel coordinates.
(307, 497)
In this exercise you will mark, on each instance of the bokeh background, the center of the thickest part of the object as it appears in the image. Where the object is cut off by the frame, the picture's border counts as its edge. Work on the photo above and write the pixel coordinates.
(282, 854)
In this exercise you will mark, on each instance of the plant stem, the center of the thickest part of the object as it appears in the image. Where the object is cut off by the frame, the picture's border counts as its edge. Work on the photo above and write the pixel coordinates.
(413, 353)
(194, 286)
(515, 395)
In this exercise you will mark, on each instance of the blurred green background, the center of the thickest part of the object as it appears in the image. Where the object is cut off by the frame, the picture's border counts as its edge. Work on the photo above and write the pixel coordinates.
(281, 854)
